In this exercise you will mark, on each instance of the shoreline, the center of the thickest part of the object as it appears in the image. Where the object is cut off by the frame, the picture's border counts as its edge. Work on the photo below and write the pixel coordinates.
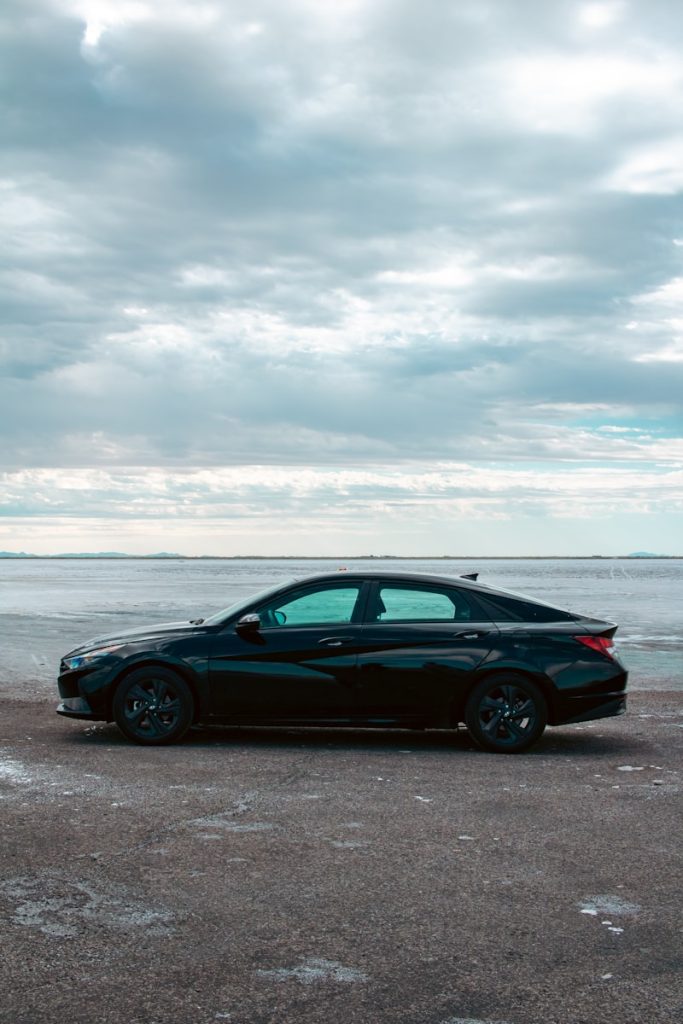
(340, 558)
(123, 557)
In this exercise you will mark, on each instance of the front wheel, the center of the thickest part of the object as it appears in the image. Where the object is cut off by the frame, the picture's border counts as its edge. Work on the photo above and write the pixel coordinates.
(153, 706)
(506, 714)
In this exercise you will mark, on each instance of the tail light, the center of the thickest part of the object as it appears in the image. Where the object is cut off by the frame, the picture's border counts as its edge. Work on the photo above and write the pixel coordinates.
(601, 644)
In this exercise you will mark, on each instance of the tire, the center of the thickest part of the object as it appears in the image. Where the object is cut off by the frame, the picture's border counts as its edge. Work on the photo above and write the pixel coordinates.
(506, 713)
(153, 705)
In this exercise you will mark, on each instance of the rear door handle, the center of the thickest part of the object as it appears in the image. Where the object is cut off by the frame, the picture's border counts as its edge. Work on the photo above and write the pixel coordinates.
(335, 641)
(471, 634)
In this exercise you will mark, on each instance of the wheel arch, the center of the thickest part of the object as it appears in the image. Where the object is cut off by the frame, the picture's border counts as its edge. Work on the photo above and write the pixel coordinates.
(180, 668)
(457, 710)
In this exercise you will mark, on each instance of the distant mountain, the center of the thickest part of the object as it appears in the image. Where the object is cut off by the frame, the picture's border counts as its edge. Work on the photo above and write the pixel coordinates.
(87, 554)
(90, 554)
(645, 554)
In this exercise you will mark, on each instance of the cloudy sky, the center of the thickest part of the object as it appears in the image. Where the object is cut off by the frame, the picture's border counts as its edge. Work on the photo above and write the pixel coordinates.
(342, 276)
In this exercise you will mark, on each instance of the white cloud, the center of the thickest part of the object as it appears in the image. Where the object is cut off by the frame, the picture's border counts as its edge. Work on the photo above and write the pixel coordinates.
(664, 327)
(656, 169)
(667, 296)
(234, 493)
(560, 93)
(600, 15)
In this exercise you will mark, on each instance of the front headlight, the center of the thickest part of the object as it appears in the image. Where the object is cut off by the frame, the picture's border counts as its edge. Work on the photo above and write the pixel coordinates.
(83, 660)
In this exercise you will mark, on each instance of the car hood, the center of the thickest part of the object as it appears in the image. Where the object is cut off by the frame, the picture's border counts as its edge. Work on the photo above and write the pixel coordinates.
(134, 636)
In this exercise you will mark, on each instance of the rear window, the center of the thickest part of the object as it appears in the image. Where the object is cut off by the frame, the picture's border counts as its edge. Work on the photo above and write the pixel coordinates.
(512, 609)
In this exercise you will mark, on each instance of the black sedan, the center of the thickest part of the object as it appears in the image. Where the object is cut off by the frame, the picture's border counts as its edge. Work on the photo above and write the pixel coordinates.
(356, 649)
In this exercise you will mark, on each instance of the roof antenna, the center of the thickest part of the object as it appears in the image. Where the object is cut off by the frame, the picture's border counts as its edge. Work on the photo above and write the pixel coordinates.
(470, 576)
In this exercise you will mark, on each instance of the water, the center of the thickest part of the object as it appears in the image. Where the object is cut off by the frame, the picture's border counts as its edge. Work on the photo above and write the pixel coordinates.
(49, 606)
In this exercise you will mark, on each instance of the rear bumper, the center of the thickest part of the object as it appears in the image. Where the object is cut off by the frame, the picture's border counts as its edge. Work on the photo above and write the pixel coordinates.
(591, 707)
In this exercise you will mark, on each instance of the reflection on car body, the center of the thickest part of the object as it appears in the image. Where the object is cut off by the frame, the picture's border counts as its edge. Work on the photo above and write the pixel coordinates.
(356, 649)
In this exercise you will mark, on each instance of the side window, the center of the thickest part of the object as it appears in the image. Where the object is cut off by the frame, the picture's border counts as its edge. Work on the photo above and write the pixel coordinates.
(414, 604)
(333, 604)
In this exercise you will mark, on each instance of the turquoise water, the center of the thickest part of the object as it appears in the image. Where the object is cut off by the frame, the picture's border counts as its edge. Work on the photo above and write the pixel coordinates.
(48, 606)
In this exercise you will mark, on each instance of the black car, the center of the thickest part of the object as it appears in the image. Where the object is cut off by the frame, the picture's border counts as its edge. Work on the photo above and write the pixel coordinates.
(356, 649)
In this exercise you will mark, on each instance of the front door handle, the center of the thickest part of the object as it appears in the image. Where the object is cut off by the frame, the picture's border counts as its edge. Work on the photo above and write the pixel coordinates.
(471, 634)
(335, 641)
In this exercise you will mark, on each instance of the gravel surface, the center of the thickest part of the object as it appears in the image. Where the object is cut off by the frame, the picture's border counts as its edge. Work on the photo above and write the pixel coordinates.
(263, 876)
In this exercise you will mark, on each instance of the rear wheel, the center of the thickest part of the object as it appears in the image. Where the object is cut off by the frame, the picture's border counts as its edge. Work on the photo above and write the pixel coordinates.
(153, 705)
(506, 713)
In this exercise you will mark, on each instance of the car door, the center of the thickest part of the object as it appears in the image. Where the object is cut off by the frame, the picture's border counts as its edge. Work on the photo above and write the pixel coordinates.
(421, 644)
(300, 665)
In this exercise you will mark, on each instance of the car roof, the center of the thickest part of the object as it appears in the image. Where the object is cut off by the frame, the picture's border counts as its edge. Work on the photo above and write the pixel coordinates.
(388, 576)
(405, 577)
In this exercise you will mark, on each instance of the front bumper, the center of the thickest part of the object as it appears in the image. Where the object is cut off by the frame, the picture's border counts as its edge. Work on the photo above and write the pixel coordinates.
(76, 707)
(86, 692)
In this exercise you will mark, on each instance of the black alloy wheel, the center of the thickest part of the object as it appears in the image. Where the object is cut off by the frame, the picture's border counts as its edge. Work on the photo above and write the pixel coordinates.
(506, 714)
(153, 706)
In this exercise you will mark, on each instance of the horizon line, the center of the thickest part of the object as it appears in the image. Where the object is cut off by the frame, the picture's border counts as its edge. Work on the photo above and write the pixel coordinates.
(122, 556)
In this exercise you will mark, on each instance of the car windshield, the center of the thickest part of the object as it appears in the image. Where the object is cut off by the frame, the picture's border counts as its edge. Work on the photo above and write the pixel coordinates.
(239, 606)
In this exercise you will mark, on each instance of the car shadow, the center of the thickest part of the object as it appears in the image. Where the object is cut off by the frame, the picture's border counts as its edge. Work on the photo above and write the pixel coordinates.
(560, 742)
(566, 742)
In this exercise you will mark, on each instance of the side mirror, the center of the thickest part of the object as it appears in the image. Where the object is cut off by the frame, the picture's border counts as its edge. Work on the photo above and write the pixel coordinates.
(249, 623)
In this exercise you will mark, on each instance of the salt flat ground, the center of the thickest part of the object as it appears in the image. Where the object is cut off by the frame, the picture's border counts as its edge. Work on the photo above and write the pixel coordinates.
(265, 877)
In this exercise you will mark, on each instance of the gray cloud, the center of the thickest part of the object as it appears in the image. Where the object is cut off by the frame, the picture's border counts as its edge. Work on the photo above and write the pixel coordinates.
(245, 234)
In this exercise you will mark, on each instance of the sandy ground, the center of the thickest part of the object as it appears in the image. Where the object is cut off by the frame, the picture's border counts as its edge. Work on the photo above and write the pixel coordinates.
(266, 877)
